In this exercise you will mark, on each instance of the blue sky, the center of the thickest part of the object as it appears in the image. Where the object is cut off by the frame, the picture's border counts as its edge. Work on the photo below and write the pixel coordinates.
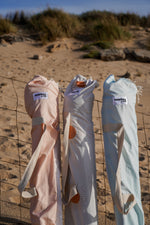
(141, 7)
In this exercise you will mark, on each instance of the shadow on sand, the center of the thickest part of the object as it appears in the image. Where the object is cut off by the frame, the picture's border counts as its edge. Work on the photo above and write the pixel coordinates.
(11, 221)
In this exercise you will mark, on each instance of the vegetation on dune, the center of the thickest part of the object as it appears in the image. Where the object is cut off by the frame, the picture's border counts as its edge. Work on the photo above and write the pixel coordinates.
(18, 18)
(123, 19)
(103, 44)
(52, 24)
(127, 19)
(92, 54)
(97, 45)
(6, 27)
(97, 26)
(109, 32)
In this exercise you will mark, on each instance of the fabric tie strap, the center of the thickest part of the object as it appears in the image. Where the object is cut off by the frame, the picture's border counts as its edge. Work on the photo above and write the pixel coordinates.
(124, 202)
(31, 192)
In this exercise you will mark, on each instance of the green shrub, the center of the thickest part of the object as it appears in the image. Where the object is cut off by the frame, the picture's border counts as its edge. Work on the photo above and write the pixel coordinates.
(125, 19)
(94, 25)
(6, 27)
(86, 47)
(92, 54)
(18, 18)
(55, 23)
(101, 27)
(104, 44)
(96, 16)
(145, 21)
(48, 28)
(93, 18)
(109, 32)
(98, 44)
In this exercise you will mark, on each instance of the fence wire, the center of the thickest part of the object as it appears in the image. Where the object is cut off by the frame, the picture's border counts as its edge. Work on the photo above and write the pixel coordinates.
(15, 142)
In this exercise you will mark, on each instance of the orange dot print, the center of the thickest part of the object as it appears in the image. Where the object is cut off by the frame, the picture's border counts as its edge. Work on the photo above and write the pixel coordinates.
(43, 127)
(72, 132)
(81, 84)
(76, 198)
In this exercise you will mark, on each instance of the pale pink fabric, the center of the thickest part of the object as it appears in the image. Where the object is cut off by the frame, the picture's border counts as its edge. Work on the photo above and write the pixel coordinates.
(46, 206)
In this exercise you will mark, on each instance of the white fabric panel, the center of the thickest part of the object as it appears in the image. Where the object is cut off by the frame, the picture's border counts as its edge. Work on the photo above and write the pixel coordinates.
(79, 169)
(121, 149)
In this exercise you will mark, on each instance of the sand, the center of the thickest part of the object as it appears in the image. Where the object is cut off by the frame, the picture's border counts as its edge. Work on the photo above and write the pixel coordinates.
(17, 68)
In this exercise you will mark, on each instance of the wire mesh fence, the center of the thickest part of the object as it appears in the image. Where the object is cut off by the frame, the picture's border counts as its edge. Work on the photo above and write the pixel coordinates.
(15, 152)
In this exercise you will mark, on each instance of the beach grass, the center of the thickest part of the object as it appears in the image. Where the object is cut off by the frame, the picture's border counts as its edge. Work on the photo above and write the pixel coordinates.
(6, 27)
(96, 26)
